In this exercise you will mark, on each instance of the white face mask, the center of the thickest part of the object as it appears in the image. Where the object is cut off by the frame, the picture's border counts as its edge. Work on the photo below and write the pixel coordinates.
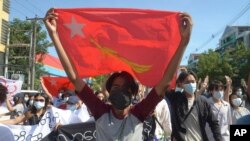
(218, 95)
(26, 99)
(31, 102)
(39, 105)
(65, 99)
(239, 93)
(236, 102)
(178, 89)
(190, 88)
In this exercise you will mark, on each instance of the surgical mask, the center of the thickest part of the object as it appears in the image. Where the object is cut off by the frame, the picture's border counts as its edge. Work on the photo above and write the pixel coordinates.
(237, 102)
(239, 93)
(39, 105)
(65, 99)
(178, 89)
(26, 99)
(31, 102)
(60, 95)
(218, 95)
(120, 98)
(71, 107)
(190, 88)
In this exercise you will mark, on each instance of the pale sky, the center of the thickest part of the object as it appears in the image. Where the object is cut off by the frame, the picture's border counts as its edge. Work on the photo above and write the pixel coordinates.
(210, 17)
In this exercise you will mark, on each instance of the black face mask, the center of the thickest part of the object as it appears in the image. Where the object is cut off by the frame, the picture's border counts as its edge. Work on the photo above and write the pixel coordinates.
(120, 98)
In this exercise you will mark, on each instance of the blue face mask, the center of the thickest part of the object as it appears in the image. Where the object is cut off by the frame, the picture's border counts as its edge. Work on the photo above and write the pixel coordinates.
(39, 105)
(190, 88)
(218, 95)
(71, 107)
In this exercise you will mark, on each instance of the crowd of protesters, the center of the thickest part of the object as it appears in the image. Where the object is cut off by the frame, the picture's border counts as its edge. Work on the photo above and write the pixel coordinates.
(193, 110)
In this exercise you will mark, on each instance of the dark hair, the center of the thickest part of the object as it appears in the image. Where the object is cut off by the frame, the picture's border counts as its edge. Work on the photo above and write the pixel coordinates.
(235, 89)
(215, 85)
(130, 82)
(183, 75)
(230, 99)
(3, 93)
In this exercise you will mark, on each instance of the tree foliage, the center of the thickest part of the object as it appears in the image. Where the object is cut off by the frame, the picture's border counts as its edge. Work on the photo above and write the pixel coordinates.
(20, 33)
(234, 62)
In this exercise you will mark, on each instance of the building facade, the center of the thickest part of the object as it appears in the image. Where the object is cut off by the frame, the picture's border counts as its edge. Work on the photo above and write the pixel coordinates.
(232, 36)
(193, 61)
(4, 27)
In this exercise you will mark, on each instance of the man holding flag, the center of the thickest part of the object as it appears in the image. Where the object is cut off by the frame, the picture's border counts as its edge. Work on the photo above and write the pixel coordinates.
(91, 42)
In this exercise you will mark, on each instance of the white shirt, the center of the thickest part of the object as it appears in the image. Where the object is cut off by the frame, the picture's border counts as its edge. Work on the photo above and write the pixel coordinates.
(3, 109)
(238, 113)
(223, 114)
(163, 116)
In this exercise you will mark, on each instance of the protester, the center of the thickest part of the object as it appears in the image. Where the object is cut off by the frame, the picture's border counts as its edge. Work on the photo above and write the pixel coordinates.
(120, 121)
(162, 117)
(34, 115)
(190, 114)
(64, 99)
(19, 105)
(73, 103)
(221, 109)
(247, 99)
(238, 110)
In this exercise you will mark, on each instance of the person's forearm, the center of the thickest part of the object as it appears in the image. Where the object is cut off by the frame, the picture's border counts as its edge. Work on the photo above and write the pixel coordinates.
(171, 70)
(248, 85)
(227, 93)
(69, 69)
(63, 57)
(9, 106)
(14, 121)
(46, 90)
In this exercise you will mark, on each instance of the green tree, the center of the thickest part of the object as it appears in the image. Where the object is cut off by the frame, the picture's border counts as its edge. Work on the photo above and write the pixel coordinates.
(20, 33)
(239, 57)
(98, 82)
(214, 65)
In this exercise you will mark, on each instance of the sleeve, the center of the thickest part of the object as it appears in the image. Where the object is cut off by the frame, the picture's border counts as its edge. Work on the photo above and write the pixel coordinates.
(229, 115)
(213, 123)
(95, 105)
(164, 117)
(146, 106)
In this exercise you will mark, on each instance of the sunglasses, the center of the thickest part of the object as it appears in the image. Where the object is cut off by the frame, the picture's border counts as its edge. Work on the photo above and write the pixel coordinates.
(41, 100)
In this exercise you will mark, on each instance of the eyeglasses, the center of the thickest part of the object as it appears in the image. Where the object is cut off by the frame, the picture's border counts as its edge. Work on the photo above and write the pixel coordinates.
(41, 100)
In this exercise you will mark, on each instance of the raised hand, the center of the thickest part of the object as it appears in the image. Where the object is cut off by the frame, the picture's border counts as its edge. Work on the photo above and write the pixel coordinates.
(50, 21)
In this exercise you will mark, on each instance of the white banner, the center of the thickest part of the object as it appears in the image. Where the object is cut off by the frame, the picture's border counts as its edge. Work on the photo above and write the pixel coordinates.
(46, 125)
(13, 86)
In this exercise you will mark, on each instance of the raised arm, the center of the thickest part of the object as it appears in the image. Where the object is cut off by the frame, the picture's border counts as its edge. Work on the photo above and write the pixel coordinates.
(248, 85)
(50, 21)
(228, 88)
(185, 26)
(45, 89)
(9, 105)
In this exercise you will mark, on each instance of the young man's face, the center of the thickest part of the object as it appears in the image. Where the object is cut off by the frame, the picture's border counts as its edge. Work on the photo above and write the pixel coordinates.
(117, 83)
(189, 79)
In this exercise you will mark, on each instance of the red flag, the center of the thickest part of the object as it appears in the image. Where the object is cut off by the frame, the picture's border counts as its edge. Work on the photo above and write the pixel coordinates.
(55, 84)
(49, 60)
(100, 41)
